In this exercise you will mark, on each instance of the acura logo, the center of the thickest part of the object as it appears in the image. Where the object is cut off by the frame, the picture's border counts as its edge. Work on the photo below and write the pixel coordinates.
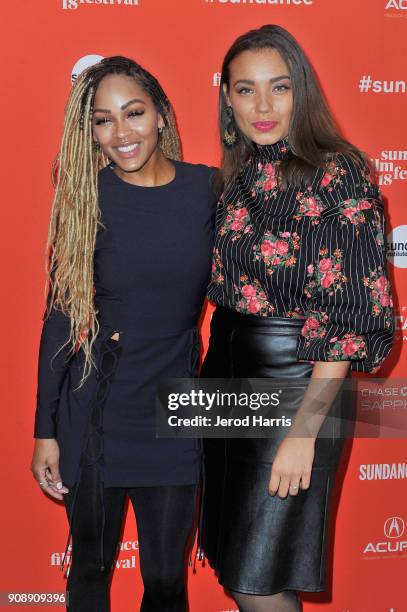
(394, 527)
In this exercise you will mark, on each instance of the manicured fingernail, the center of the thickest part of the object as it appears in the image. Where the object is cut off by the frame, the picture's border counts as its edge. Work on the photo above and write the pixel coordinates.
(59, 485)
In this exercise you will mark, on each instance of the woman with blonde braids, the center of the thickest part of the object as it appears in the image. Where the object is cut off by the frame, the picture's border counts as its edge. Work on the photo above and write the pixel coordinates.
(128, 261)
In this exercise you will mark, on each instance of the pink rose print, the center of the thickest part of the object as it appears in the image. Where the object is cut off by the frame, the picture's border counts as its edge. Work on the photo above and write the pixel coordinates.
(252, 298)
(282, 247)
(327, 280)
(333, 175)
(378, 225)
(314, 327)
(326, 275)
(352, 212)
(236, 225)
(248, 291)
(349, 347)
(327, 178)
(267, 248)
(309, 206)
(267, 181)
(312, 323)
(313, 208)
(276, 251)
(380, 294)
(254, 306)
(269, 185)
(326, 264)
(241, 213)
(381, 283)
(237, 221)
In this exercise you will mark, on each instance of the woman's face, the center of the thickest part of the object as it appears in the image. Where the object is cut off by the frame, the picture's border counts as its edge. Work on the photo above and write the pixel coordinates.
(260, 94)
(125, 122)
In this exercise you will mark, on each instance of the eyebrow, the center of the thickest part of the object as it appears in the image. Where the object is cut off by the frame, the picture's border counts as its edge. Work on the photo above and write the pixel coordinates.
(273, 80)
(123, 107)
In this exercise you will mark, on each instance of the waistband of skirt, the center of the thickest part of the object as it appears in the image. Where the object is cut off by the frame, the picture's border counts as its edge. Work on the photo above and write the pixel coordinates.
(232, 318)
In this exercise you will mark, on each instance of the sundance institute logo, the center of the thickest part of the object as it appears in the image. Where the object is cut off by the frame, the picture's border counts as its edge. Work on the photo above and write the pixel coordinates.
(74, 4)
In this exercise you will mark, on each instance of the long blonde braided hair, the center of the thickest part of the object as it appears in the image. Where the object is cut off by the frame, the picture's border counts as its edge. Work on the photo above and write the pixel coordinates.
(75, 214)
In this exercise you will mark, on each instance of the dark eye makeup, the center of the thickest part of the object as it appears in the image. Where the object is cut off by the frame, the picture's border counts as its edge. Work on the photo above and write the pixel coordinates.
(133, 113)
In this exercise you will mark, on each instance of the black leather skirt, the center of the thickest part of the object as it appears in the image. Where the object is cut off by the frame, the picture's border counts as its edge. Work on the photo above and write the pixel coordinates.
(257, 543)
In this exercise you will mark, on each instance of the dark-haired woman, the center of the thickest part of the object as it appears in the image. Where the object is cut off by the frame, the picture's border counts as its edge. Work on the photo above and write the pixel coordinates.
(129, 255)
(301, 289)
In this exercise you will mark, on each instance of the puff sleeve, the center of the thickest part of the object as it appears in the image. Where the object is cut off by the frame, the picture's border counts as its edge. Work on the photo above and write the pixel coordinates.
(349, 303)
(52, 367)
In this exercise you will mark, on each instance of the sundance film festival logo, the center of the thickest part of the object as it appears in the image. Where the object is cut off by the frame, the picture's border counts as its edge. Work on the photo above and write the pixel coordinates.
(267, 2)
(74, 4)
(126, 547)
(391, 166)
(393, 529)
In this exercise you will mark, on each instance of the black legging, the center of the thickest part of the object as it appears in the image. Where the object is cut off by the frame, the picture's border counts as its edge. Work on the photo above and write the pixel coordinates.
(164, 516)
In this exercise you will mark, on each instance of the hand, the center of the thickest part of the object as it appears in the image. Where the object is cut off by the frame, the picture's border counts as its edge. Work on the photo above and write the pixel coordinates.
(292, 466)
(45, 467)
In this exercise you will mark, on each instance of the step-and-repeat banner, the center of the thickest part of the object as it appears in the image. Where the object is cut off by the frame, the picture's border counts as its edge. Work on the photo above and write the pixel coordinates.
(358, 50)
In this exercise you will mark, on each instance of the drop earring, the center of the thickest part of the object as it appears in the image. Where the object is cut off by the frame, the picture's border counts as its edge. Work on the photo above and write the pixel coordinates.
(229, 134)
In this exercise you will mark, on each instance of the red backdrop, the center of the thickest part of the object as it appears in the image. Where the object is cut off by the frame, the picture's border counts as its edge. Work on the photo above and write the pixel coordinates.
(359, 50)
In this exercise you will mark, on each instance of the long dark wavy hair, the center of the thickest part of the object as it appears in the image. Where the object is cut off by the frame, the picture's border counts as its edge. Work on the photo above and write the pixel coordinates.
(313, 132)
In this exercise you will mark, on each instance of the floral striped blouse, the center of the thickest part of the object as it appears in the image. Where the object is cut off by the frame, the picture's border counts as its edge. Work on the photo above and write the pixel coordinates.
(318, 253)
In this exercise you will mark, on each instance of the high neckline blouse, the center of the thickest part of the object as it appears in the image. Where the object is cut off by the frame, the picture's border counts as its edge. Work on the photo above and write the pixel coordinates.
(316, 253)
(272, 152)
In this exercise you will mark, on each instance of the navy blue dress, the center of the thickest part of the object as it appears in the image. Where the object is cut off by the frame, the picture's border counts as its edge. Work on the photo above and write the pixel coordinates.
(151, 269)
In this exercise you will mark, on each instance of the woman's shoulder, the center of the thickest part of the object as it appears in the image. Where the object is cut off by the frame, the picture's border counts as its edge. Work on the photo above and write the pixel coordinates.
(199, 176)
(348, 177)
(196, 170)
